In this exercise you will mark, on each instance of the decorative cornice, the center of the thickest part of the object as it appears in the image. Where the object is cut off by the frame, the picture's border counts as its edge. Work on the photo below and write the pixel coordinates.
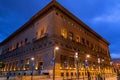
(51, 6)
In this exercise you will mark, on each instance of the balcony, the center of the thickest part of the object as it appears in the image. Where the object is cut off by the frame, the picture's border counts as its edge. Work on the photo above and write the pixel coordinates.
(26, 48)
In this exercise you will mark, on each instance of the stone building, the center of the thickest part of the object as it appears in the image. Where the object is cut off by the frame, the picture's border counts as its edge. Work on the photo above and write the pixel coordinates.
(116, 64)
(55, 26)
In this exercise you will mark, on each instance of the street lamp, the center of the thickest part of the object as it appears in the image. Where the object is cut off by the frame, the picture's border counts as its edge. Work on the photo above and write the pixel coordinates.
(86, 66)
(66, 67)
(32, 58)
(100, 72)
(32, 61)
(99, 65)
(86, 61)
(54, 56)
(87, 56)
(76, 65)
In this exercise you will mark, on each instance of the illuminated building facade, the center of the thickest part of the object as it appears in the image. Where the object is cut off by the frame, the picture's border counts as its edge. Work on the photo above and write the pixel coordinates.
(116, 64)
(55, 26)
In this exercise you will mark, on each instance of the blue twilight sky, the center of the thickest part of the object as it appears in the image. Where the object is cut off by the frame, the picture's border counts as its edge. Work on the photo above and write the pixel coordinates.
(103, 16)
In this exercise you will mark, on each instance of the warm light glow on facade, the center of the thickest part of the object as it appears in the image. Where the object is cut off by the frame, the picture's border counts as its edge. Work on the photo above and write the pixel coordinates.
(32, 58)
(64, 32)
(60, 67)
(88, 56)
(66, 46)
(36, 68)
(24, 69)
(76, 55)
(56, 48)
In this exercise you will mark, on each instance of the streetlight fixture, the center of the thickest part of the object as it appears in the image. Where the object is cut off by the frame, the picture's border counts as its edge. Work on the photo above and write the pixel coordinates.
(32, 59)
(54, 56)
(87, 56)
(76, 65)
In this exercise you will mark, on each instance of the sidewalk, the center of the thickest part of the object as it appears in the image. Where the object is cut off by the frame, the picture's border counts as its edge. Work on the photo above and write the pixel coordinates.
(37, 78)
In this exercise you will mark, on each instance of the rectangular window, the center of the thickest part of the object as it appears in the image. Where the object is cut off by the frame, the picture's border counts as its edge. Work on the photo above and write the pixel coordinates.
(17, 65)
(27, 61)
(22, 64)
(42, 32)
(87, 43)
(64, 33)
(40, 66)
(78, 38)
(70, 36)
(71, 62)
(27, 64)
(64, 62)
(83, 41)
(12, 67)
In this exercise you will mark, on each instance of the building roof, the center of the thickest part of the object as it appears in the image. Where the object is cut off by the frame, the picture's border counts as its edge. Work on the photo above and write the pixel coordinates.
(53, 5)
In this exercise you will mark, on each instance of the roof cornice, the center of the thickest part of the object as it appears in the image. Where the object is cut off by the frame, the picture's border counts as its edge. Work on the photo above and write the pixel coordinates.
(53, 5)
(26, 25)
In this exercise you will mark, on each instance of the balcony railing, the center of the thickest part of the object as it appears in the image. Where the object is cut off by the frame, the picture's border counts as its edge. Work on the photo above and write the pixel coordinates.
(26, 48)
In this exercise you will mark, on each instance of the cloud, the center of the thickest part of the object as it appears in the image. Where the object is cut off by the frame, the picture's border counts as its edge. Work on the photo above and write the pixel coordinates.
(112, 15)
(115, 55)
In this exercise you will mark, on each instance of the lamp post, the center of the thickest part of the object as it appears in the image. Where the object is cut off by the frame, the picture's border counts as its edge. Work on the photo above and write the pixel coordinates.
(99, 69)
(54, 56)
(111, 66)
(99, 65)
(76, 65)
(102, 61)
(86, 61)
(103, 70)
(86, 64)
(32, 60)
(66, 66)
